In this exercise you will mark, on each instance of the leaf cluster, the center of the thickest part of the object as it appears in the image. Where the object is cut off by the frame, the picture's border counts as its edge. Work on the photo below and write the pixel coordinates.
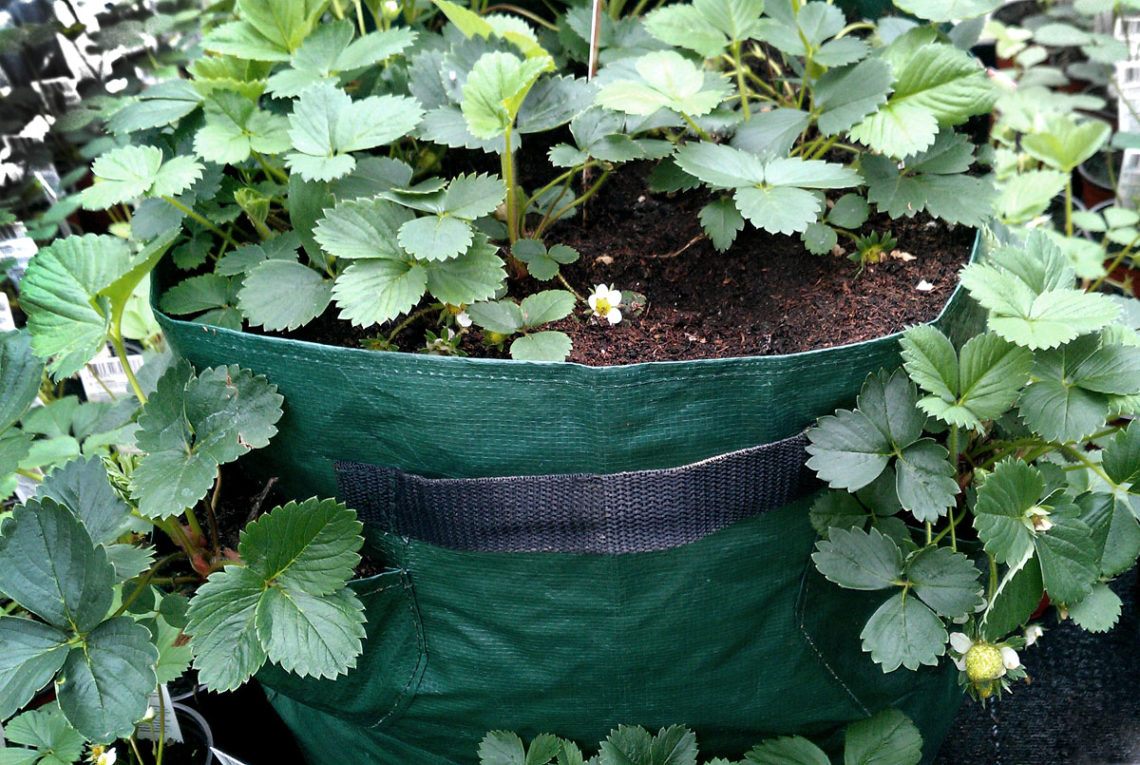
(1017, 433)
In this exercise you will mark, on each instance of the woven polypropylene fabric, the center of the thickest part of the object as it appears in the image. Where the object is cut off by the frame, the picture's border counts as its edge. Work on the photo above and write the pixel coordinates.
(579, 513)
(446, 417)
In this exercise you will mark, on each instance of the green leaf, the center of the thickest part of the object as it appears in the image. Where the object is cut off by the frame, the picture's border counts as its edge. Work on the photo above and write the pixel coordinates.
(289, 604)
(945, 580)
(20, 377)
(546, 306)
(191, 425)
(1017, 597)
(778, 210)
(435, 237)
(925, 480)
(935, 85)
(375, 291)
(540, 263)
(720, 166)
(264, 287)
(311, 546)
(331, 50)
(285, 24)
(1098, 611)
(819, 238)
(667, 81)
(989, 380)
(106, 681)
(1030, 296)
(685, 26)
(363, 228)
(59, 292)
(473, 276)
(1115, 529)
(235, 126)
(552, 102)
(50, 566)
(1121, 456)
(859, 560)
(222, 630)
(949, 10)
(786, 750)
(626, 744)
(1008, 494)
(326, 125)
(846, 96)
(1067, 400)
(502, 747)
(849, 211)
(542, 346)
(771, 133)
(1064, 142)
(847, 450)
(157, 106)
(495, 89)
(122, 175)
(502, 316)
(1068, 566)
(309, 635)
(1028, 194)
(722, 222)
(888, 738)
(82, 487)
(33, 653)
(903, 631)
(52, 739)
(306, 202)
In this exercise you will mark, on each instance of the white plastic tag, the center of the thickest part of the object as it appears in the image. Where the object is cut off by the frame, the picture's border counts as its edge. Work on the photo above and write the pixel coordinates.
(104, 376)
(152, 728)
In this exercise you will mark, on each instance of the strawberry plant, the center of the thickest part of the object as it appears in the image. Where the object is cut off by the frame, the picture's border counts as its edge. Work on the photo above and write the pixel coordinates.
(1020, 435)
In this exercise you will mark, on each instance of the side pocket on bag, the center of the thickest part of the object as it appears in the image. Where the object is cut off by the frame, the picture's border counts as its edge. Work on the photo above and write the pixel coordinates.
(831, 619)
(387, 673)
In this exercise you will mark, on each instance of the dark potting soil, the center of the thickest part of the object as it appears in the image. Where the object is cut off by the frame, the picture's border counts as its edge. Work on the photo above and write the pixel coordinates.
(767, 295)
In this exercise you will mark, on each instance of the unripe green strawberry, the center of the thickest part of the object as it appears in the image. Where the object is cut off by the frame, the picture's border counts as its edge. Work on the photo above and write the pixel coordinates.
(984, 663)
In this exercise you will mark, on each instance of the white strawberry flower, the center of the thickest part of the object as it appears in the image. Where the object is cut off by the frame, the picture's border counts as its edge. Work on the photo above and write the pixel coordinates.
(462, 319)
(1033, 633)
(605, 302)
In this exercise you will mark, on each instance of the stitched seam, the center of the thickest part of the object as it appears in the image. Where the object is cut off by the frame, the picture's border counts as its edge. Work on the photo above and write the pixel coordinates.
(802, 609)
(421, 663)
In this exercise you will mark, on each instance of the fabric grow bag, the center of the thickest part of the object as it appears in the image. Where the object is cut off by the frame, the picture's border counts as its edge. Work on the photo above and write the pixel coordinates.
(722, 625)
(466, 418)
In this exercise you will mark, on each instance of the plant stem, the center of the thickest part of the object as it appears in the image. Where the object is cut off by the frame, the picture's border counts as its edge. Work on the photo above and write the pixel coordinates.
(741, 85)
(824, 148)
(195, 216)
(360, 17)
(121, 352)
(1076, 454)
(212, 510)
(143, 583)
(192, 522)
(523, 12)
(573, 291)
(408, 320)
(29, 474)
(569, 174)
(508, 164)
(696, 128)
(1120, 256)
(580, 200)
(1069, 206)
(161, 727)
(268, 168)
(929, 533)
(993, 577)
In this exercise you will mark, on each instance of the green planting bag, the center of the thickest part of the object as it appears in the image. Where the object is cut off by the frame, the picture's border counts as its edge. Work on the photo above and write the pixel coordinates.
(541, 579)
